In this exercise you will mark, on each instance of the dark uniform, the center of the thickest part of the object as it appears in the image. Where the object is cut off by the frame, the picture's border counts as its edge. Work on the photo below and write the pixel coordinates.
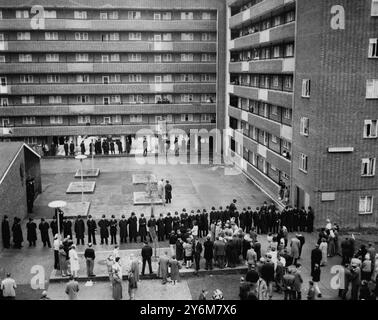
(67, 228)
(92, 227)
(5, 232)
(104, 231)
(113, 230)
(54, 227)
(123, 230)
(161, 228)
(44, 229)
(256, 220)
(168, 225)
(31, 234)
(176, 222)
(310, 220)
(204, 224)
(79, 228)
(142, 228)
(133, 230)
(17, 233)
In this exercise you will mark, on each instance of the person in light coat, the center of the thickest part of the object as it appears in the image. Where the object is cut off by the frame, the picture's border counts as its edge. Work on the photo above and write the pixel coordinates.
(74, 261)
(161, 189)
(324, 249)
(294, 247)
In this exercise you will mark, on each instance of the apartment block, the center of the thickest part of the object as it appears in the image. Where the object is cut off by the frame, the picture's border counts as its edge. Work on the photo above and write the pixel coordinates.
(94, 69)
(302, 102)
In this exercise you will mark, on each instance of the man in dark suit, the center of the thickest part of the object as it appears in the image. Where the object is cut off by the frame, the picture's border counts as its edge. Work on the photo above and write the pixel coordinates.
(66, 148)
(89, 255)
(168, 192)
(5, 232)
(146, 257)
(316, 257)
(92, 227)
(219, 252)
(79, 230)
(197, 250)
(44, 229)
(123, 230)
(104, 231)
(208, 253)
(67, 227)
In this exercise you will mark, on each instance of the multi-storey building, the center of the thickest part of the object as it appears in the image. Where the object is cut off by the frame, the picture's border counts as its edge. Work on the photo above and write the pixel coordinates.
(92, 69)
(303, 90)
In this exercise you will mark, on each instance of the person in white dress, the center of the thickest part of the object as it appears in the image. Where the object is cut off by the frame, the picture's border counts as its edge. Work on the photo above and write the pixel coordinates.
(324, 248)
(74, 261)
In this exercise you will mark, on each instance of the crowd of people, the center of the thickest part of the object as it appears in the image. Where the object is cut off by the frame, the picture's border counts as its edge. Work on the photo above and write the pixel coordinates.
(222, 238)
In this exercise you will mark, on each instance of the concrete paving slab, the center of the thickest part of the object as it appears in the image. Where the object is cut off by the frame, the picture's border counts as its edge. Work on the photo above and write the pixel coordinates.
(79, 187)
(141, 198)
(74, 209)
(88, 173)
(143, 178)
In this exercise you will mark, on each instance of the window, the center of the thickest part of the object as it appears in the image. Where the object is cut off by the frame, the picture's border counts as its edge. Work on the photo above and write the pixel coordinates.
(51, 36)
(4, 102)
(274, 110)
(186, 118)
(83, 119)
(374, 8)
(56, 119)
(187, 57)
(5, 122)
(107, 120)
(265, 137)
(167, 57)
(80, 14)
(134, 15)
(366, 205)
(186, 98)
(373, 48)
(205, 77)
(157, 16)
(81, 35)
(186, 15)
(2, 59)
(50, 14)
(106, 100)
(372, 89)
(28, 120)
(104, 58)
(167, 78)
(306, 85)
(288, 82)
(303, 162)
(105, 79)
(167, 36)
(83, 99)
(157, 58)
(167, 16)
(187, 77)
(82, 78)
(276, 51)
(289, 50)
(25, 57)
(52, 57)
(157, 37)
(187, 36)
(370, 129)
(290, 16)
(55, 99)
(205, 117)
(136, 98)
(1, 14)
(27, 78)
(304, 126)
(103, 16)
(22, 14)
(275, 81)
(274, 138)
(135, 78)
(135, 36)
(3, 81)
(205, 57)
(53, 78)
(368, 167)
(114, 57)
(116, 99)
(135, 57)
(136, 118)
(114, 36)
(206, 15)
(276, 21)
(117, 118)
(286, 144)
(116, 78)
(207, 98)
(113, 15)
(82, 57)
(23, 35)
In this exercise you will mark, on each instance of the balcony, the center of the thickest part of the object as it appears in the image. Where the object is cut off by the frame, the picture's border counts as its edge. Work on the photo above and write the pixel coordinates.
(106, 129)
(284, 32)
(78, 89)
(112, 25)
(256, 11)
(114, 67)
(119, 109)
(109, 46)
(285, 65)
(275, 97)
